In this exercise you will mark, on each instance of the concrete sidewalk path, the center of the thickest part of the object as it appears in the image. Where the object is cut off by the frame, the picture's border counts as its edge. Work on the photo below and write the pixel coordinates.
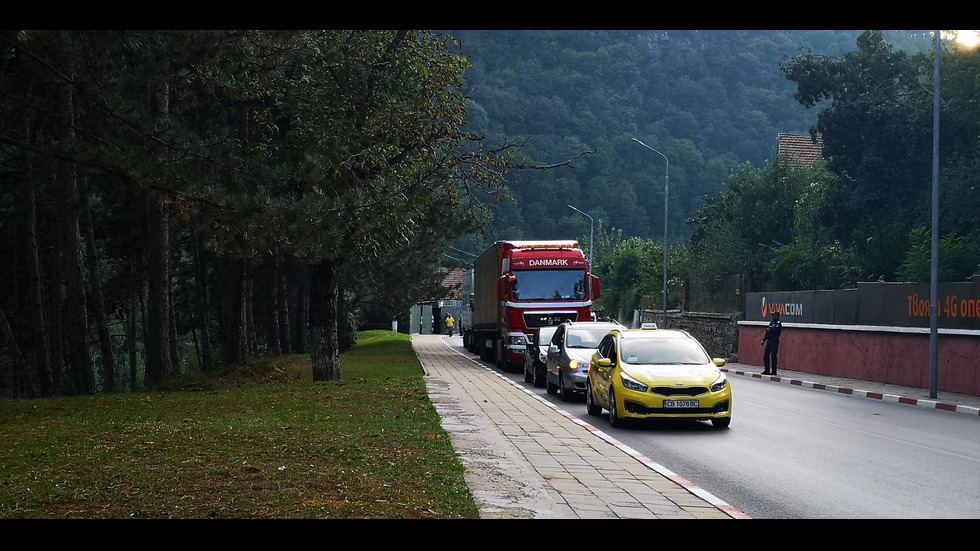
(527, 458)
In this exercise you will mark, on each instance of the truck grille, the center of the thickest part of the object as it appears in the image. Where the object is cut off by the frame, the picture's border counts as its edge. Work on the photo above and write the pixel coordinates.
(545, 319)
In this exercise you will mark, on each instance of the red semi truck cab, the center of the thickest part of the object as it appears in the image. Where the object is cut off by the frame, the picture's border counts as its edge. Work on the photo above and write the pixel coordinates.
(519, 286)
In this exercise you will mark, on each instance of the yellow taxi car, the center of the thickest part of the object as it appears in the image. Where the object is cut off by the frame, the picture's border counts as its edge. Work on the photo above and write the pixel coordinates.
(657, 373)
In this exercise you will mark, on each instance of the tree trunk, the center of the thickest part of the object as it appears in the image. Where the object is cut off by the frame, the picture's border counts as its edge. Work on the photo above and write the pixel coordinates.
(272, 329)
(109, 383)
(251, 342)
(39, 348)
(79, 355)
(285, 333)
(324, 343)
(235, 332)
(302, 293)
(203, 309)
(20, 373)
(159, 366)
(135, 311)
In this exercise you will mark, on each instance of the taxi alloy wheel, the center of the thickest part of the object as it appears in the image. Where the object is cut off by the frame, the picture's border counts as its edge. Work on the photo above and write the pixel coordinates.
(590, 405)
(614, 418)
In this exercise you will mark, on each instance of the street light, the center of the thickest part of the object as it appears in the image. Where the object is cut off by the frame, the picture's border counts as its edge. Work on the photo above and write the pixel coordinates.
(934, 267)
(590, 235)
(666, 188)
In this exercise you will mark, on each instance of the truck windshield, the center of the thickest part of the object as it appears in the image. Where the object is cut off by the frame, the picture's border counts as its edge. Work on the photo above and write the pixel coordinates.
(549, 285)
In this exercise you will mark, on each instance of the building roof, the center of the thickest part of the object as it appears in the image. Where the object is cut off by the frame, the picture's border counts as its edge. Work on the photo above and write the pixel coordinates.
(800, 148)
(453, 282)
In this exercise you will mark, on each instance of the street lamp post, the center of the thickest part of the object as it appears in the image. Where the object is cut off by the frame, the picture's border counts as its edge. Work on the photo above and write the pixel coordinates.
(591, 226)
(666, 188)
(934, 267)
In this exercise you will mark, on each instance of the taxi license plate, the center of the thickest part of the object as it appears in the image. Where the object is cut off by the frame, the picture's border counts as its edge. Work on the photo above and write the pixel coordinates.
(680, 403)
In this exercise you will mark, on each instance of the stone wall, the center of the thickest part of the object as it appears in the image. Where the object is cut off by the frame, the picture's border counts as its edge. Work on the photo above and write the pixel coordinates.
(717, 332)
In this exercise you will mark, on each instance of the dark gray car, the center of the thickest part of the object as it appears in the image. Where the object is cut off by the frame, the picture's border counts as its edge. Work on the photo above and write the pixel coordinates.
(535, 355)
(568, 355)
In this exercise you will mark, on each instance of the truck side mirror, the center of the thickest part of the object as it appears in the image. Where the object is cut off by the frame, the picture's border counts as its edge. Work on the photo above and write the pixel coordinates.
(596, 287)
(502, 288)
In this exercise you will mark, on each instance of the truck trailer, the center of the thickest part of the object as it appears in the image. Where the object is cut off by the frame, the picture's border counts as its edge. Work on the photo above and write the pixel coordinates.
(516, 287)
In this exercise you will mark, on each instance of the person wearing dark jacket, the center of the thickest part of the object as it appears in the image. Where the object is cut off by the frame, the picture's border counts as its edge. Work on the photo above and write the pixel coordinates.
(771, 341)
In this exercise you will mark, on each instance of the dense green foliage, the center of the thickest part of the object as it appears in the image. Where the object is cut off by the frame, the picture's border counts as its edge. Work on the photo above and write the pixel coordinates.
(711, 101)
(201, 197)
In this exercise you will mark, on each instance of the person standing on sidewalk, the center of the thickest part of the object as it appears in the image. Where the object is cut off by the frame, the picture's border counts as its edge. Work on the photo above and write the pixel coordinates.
(771, 342)
(450, 323)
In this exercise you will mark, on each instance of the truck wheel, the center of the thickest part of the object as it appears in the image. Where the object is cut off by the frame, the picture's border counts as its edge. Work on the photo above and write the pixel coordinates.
(481, 346)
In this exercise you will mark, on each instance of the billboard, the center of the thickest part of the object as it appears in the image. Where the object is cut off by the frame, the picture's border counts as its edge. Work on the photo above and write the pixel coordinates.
(883, 304)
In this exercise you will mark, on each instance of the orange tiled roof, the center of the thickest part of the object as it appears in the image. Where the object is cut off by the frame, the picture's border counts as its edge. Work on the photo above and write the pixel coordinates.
(800, 148)
(453, 282)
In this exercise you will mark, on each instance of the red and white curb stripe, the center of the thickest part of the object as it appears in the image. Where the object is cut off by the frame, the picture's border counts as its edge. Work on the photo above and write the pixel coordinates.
(930, 404)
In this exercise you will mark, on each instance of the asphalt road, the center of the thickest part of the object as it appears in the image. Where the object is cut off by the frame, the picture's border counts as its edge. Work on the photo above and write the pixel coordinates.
(794, 452)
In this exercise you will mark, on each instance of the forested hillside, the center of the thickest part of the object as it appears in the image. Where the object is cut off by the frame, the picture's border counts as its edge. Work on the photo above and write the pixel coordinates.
(710, 101)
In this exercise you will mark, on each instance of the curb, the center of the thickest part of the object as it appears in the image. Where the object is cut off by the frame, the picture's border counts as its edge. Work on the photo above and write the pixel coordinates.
(931, 404)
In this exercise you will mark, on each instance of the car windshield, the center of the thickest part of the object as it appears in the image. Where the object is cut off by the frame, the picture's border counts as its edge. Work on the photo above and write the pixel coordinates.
(585, 337)
(549, 285)
(662, 351)
(545, 334)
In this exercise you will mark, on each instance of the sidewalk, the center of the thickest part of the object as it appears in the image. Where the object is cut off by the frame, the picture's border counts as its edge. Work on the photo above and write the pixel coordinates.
(528, 458)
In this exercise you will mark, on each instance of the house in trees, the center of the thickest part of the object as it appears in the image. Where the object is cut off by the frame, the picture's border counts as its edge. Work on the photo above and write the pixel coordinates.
(800, 149)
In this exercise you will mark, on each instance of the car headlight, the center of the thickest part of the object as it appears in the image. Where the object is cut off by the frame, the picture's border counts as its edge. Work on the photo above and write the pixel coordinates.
(720, 384)
(519, 340)
(632, 384)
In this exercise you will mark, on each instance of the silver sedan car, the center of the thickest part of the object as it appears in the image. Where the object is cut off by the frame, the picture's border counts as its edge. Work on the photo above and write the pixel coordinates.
(569, 353)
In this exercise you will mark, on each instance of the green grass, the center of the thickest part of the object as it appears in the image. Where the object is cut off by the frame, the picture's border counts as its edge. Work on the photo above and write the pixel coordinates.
(260, 441)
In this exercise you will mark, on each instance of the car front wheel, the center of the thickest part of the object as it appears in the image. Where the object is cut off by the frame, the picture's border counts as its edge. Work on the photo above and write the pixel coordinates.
(721, 423)
(590, 404)
(614, 418)
(539, 375)
(563, 392)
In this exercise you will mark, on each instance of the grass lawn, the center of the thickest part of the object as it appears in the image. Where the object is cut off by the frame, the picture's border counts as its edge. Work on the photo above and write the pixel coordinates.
(260, 441)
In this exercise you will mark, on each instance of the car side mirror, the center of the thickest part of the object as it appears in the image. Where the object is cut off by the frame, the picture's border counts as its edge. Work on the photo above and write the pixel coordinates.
(604, 362)
(718, 362)
(553, 349)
